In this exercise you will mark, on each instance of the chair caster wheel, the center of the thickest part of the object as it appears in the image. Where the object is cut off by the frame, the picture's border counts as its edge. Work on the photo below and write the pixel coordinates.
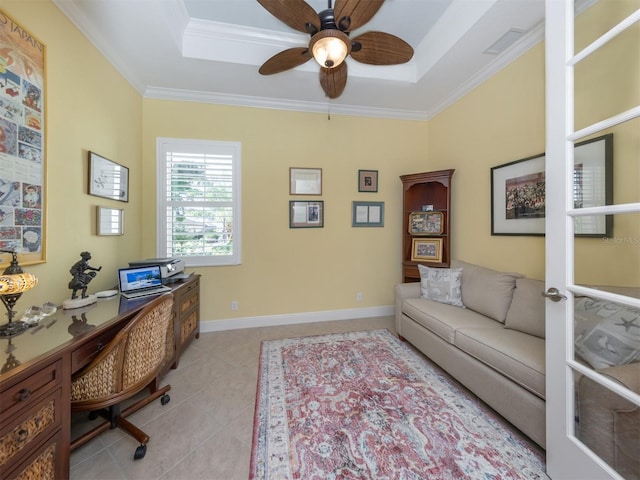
(141, 451)
(165, 399)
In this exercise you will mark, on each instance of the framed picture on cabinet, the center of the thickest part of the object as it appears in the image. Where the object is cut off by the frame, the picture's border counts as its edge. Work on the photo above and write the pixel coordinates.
(426, 250)
(367, 180)
(306, 214)
(426, 223)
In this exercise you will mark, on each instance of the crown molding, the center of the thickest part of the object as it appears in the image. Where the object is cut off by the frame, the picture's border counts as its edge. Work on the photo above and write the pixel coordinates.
(278, 104)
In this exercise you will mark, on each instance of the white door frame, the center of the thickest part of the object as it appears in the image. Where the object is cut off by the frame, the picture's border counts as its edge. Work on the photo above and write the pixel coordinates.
(567, 457)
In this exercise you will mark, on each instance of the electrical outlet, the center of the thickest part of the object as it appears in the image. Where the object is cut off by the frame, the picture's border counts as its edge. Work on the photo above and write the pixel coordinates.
(359, 296)
(234, 305)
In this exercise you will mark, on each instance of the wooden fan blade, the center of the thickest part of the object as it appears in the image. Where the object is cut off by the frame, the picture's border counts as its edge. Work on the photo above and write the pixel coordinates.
(379, 48)
(290, 58)
(295, 13)
(360, 11)
(333, 80)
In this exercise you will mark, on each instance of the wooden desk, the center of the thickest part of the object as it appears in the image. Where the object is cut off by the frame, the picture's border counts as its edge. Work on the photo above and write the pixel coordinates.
(35, 377)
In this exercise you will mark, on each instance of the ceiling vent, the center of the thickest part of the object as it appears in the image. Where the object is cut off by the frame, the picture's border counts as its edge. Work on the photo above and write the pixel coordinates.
(504, 42)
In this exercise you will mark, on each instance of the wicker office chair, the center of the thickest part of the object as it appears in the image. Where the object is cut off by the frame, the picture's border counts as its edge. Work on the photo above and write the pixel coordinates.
(131, 362)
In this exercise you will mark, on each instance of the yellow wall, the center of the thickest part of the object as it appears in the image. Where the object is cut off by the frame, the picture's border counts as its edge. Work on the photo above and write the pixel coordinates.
(503, 121)
(499, 122)
(297, 270)
(89, 107)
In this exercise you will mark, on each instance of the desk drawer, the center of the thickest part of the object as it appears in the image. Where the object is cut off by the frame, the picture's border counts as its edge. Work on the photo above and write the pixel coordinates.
(27, 428)
(188, 326)
(188, 299)
(83, 355)
(44, 463)
(28, 390)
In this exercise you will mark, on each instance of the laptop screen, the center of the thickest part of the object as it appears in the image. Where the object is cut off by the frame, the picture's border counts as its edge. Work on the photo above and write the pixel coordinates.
(139, 278)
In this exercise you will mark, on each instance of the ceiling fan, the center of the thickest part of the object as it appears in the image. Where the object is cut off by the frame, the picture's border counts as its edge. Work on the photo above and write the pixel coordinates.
(330, 43)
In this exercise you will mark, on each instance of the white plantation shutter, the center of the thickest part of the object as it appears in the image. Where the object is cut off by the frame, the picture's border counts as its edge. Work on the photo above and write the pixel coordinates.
(199, 201)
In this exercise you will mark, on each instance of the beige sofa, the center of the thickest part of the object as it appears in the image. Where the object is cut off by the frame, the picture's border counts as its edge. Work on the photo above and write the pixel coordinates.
(494, 345)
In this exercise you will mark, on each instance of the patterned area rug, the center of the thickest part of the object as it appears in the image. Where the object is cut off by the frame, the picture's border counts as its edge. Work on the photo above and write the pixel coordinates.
(364, 405)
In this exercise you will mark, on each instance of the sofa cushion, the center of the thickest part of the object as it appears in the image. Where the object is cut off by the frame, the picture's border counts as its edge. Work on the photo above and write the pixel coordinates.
(486, 291)
(606, 333)
(526, 312)
(443, 319)
(516, 355)
(441, 285)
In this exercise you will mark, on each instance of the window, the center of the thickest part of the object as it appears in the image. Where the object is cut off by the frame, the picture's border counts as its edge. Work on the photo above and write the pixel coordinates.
(199, 201)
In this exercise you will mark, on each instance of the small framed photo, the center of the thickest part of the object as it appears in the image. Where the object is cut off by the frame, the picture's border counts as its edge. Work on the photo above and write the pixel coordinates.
(305, 181)
(109, 221)
(426, 223)
(368, 214)
(367, 180)
(108, 179)
(306, 214)
(426, 250)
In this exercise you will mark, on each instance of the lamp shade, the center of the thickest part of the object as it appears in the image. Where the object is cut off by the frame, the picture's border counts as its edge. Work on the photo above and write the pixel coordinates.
(330, 47)
(17, 283)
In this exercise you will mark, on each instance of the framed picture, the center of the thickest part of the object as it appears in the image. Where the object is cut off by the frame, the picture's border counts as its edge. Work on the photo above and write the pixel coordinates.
(108, 179)
(426, 223)
(367, 180)
(305, 181)
(306, 214)
(518, 191)
(426, 250)
(109, 221)
(368, 214)
(23, 186)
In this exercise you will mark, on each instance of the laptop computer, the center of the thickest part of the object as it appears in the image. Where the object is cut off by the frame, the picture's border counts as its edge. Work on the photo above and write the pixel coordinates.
(137, 282)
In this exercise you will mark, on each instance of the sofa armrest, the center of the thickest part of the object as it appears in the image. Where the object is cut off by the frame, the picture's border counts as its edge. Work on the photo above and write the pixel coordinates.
(402, 291)
(609, 424)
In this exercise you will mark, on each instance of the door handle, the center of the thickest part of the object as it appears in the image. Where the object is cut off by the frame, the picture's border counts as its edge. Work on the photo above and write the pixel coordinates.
(554, 294)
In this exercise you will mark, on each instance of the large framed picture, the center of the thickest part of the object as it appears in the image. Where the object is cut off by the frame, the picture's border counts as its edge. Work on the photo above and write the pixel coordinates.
(22, 143)
(306, 214)
(305, 181)
(108, 179)
(518, 198)
(426, 223)
(426, 250)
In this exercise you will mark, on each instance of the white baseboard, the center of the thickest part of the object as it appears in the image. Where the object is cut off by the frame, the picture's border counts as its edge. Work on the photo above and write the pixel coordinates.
(293, 318)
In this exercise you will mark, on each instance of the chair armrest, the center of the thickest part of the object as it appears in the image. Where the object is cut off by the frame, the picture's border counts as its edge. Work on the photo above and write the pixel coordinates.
(402, 291)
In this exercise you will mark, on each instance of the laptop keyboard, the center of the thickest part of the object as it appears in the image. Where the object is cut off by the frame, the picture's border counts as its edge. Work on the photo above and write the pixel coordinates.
(144, 293)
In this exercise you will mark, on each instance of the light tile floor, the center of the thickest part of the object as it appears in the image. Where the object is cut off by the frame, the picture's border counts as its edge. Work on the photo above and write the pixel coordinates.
(205, 431)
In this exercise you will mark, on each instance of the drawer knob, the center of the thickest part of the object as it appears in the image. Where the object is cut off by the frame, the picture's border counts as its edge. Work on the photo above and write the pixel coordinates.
(22, 435)
(24, 394)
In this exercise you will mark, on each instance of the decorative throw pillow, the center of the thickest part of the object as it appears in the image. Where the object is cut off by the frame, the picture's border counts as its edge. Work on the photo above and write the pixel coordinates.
(441, 285)
(606, 333)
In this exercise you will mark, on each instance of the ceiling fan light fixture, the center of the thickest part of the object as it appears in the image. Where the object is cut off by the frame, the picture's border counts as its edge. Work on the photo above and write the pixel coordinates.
(330, 47)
